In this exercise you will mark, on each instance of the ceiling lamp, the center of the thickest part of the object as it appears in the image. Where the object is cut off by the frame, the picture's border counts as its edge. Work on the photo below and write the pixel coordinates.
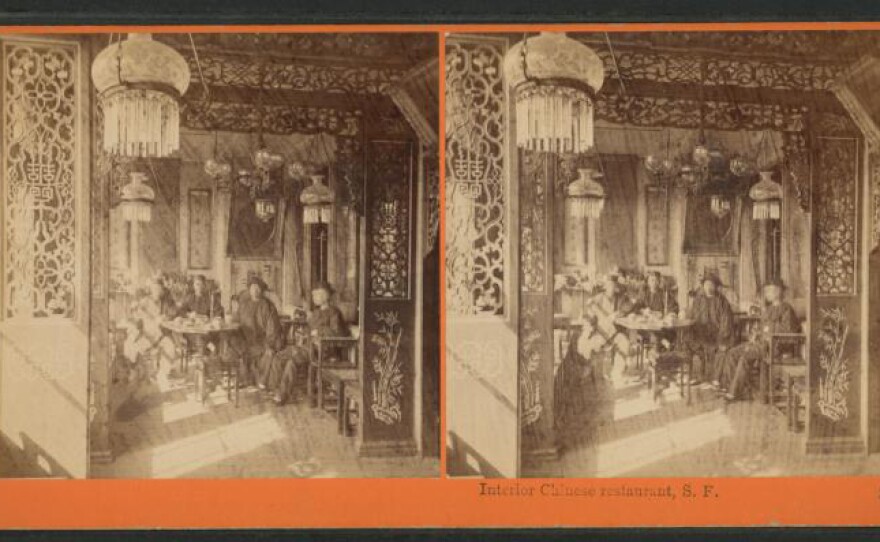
(766, 198)
(317, 201)
(555, 79)
(585, 196)
(137, 199)
(139, 82)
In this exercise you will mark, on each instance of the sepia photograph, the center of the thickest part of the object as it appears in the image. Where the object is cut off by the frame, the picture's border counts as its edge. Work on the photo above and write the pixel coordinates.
(662, 254)
(220, 255)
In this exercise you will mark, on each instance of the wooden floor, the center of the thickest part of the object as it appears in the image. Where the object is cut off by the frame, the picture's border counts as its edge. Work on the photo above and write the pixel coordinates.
(163, 432)
(627, 434)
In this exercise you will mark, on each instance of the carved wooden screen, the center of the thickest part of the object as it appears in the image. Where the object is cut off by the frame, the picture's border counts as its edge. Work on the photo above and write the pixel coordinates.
(835, 324)
(388, 365)
(475, 165)
(40, 173)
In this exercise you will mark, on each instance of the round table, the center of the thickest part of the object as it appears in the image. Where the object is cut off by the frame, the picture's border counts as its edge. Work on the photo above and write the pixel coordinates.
(653, 327)
(195, 337)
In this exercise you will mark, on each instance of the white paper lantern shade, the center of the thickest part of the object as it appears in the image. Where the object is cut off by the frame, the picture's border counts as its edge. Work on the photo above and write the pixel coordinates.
(139, 82)
(766, 198)
(317, 200)
(137, 199)
(585, 197)
(554, 78)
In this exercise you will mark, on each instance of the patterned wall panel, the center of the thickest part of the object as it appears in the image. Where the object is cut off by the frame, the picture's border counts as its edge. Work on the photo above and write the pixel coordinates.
(388, 368)
(390, 181)
(836, 214)
(475, 184)
(39, 147)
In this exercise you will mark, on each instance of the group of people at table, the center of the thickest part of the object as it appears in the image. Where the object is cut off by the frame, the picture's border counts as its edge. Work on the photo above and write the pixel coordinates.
(265, 356)
(711, 340)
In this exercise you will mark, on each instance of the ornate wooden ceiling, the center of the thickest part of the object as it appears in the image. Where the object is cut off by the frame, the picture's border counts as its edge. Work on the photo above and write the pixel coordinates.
(395, 50)
(298, 83)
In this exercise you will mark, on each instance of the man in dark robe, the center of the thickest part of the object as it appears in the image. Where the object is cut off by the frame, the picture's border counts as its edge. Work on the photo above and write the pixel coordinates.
(201, 301)
(713, 329)
(777, 317)
(325, 321)
(711, 333)
(261, 334)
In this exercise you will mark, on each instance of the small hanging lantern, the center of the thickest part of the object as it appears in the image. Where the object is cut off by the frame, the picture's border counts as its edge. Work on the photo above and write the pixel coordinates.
(585, 196)
(265, 208)
(720, 205)
(555, 79)
(137, 199)
(766, 198)
(139, 82)
(317, 201)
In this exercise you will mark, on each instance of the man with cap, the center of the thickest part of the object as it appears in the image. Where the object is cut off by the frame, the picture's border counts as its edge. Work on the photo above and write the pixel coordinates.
(713, 328)
(777, 316)
(325, 320)
(260, 329)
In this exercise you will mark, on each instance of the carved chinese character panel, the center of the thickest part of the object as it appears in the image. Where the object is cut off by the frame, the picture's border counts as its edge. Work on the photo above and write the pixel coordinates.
(39, 145)
(475, 183)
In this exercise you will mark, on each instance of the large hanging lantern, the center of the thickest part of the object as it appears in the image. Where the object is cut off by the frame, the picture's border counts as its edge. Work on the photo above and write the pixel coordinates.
(554, 78)
(137, 199)
(766, 198)
(585, 197)
(139, 82)
(317, 201)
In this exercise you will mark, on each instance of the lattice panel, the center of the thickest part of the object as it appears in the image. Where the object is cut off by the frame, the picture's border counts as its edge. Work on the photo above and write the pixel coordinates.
(875, 198)
(389, 227)
(685, 113)
(475, 186)
(270, 119)
(228, 70)
(642, 65)
(432, 200)
(835, 210)
(40, 133)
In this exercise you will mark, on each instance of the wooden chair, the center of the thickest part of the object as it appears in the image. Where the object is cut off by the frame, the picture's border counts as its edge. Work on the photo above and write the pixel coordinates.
(321, 362)
(793, 342)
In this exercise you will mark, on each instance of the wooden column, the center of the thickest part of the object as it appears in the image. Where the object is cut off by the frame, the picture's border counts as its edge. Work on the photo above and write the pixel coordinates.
(536, 220)
(835, 372)
(386, 425)
(100, 448)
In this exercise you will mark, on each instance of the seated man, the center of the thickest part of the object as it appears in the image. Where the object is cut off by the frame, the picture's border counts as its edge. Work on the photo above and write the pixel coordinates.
(776, 317)
(261, 336)
(711, 333)
(325, 321)
(201, 301)
(656, 298)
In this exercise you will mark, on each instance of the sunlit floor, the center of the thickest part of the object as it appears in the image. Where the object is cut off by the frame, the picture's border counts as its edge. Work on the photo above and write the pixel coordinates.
(628, 434)
(166, 433)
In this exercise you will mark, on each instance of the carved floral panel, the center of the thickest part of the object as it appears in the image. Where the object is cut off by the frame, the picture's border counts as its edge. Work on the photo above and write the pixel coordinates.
(836, 216)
